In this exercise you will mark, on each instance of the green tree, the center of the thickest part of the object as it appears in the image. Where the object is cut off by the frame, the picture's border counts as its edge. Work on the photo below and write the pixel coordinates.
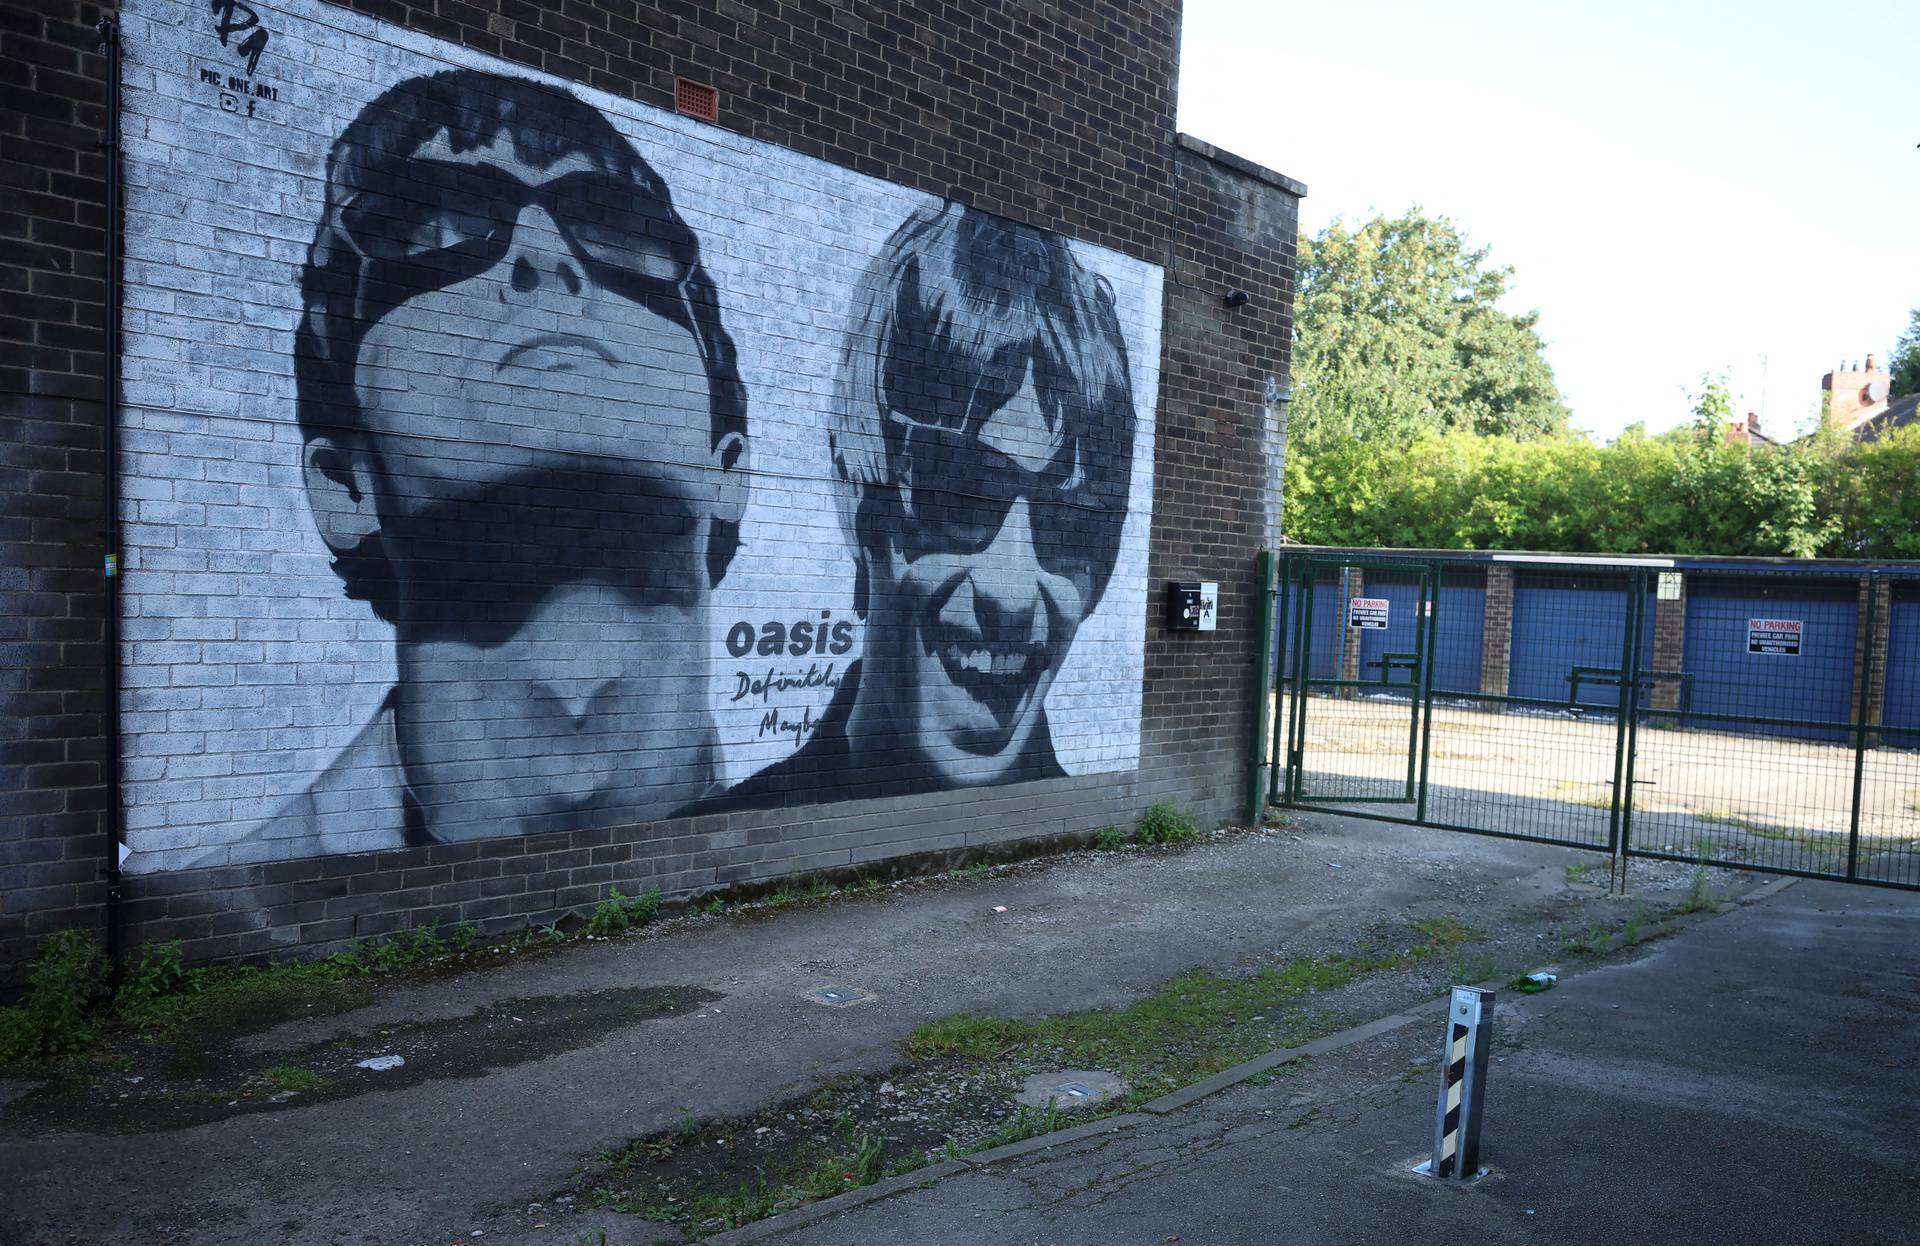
(1400, 333)
(1905, 364)
(1873, 497)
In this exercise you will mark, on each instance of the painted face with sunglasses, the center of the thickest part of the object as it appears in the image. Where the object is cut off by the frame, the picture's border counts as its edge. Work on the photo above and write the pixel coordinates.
(543, 471)
(987, 437)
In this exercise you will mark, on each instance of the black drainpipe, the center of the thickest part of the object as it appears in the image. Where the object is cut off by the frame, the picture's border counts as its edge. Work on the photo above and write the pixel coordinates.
(110, 144)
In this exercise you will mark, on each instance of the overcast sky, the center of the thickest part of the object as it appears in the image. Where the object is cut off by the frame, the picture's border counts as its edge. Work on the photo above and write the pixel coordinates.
(1680, 187)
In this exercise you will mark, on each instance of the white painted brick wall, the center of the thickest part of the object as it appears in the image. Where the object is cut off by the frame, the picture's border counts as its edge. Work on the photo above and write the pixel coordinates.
(246, 669)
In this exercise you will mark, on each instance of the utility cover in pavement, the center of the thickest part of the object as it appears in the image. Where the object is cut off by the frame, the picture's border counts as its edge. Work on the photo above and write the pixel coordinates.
(838, 996)
(1067, 1089)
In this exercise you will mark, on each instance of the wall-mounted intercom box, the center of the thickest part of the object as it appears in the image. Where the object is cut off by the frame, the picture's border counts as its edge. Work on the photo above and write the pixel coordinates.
(1192, 605)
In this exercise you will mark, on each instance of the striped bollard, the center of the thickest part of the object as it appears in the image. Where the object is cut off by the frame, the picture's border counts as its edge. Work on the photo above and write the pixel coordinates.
(1463, 1086)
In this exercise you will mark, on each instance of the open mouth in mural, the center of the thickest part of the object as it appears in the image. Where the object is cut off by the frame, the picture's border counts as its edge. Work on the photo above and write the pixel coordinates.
(997, 675)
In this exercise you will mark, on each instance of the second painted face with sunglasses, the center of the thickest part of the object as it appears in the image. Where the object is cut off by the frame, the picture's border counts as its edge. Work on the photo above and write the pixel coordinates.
(545, 480)
(990, 575)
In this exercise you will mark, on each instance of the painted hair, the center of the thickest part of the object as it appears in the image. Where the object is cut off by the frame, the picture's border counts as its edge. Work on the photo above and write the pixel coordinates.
(947, 323)
(343, 293)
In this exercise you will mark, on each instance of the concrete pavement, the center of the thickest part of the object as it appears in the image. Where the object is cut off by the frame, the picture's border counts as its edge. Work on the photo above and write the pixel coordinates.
(1753, 1079)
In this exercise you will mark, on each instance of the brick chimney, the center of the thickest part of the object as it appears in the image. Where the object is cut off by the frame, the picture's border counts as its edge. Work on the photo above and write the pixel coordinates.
(1856, 393)
(1742, 432)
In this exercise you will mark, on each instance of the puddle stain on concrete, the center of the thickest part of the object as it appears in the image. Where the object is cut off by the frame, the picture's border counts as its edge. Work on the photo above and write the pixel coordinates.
(176, 1086)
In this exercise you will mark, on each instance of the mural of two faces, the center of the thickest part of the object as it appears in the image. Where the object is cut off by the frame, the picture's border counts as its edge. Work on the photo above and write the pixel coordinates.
(505, 458)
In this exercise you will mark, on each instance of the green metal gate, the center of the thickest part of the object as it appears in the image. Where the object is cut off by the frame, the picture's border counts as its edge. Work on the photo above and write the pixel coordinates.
(1655, 715)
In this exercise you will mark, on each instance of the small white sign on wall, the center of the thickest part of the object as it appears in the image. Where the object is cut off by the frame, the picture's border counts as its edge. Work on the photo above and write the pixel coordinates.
(1209, 605)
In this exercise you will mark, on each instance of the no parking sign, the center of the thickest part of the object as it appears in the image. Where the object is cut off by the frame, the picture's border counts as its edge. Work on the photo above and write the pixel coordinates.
(1774, 636)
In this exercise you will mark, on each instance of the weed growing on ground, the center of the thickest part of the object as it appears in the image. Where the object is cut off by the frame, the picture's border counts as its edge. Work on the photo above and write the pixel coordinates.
(618, 914)
(66, 1007)
(1701, 897)
(1592, 943)
(293, 1077)
(979, 869)
(158, 971)
(798, 893)
(1577, 871)
(1110, 838)
(1167, 824)
(55, 1017)
(1024, 1124)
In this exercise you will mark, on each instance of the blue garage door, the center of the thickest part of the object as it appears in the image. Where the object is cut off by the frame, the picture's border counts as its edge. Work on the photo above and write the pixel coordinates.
(1561, 622)
(1325, 637)
(1814, 686)
(1900, 711)
(1456, 658)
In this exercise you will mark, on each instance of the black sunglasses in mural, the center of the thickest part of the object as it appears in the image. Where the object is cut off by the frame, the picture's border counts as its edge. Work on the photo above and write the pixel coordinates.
(445, 223)
(960, 491)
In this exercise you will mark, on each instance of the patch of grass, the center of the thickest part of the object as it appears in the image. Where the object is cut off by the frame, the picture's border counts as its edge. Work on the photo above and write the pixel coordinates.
(293, 1077)
(1577, 871)
(1443, 932)
(161, 999)
(1167, 824)
(817, 1174)
(979, 869)
(618, 914)
(1110, 838)
(1192, 1026)
(1026, 1123)
(788, 894)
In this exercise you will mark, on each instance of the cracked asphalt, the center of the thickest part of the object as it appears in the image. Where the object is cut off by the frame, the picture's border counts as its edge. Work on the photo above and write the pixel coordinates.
(1750, 1079)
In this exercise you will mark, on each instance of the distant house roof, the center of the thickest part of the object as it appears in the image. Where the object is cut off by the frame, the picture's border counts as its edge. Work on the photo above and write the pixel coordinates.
(1899, 413)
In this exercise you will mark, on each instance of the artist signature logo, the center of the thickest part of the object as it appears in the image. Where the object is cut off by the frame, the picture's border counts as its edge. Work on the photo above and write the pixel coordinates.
(232, 18)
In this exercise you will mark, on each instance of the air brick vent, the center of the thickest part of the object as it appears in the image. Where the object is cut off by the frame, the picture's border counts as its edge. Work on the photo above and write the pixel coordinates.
(696, 99)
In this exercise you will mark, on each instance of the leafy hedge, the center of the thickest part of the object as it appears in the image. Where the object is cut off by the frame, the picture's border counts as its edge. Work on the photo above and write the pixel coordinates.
(1677, 493)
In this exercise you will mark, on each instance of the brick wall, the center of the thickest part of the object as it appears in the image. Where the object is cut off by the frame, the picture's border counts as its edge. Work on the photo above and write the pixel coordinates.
(52, 486)
(1059, 116)
(1669, 642)
(1235, 229)
(1496, 636)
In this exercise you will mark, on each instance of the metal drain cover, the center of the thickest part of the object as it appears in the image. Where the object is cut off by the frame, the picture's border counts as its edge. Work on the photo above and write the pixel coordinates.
(839, 996)
(1067, 1089)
